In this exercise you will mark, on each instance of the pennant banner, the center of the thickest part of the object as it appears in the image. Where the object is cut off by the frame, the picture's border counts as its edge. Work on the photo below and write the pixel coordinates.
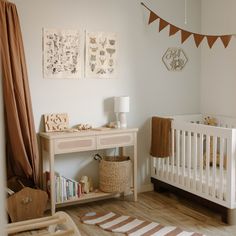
(198, 38)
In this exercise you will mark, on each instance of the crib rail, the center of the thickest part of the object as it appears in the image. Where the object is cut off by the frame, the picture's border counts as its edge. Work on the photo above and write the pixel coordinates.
(202, 162)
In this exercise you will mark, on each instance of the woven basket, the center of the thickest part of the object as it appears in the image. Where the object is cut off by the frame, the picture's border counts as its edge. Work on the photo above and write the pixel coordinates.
(114, 174)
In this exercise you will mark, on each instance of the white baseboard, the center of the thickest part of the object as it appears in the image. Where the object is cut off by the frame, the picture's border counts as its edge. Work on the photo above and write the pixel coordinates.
(145, 188)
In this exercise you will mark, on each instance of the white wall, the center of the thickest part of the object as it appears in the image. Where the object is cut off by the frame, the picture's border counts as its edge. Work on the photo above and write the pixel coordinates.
(218, 78)
(142, 75)
(2, 162)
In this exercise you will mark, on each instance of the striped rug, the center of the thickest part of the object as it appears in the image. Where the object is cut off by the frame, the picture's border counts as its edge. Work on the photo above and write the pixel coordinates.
(132, 226)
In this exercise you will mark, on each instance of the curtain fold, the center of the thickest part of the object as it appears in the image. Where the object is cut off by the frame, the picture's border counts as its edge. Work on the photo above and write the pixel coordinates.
(21, 140)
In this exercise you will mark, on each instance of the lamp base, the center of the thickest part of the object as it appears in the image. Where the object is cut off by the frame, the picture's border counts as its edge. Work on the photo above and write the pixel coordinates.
(122, 119)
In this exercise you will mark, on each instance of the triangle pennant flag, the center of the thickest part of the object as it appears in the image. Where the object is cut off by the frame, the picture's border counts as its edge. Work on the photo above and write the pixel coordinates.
(162, 24)
(152, 17)
(184, 35)
(211, 40)
(173, 30)
(226, 39)
(198, 39)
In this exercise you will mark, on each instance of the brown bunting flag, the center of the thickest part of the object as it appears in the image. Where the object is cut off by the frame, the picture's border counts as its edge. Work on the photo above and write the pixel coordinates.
(162, 24)
(211, 39)
(226, 39)
(185, 35)
(198, 39)
(152, 17)
(173, 30)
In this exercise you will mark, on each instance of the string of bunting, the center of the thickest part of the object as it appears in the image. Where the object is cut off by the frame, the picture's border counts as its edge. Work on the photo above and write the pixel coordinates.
(198, 38)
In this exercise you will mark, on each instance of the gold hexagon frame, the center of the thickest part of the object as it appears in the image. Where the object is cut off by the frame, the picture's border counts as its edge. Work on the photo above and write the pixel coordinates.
(175, 59)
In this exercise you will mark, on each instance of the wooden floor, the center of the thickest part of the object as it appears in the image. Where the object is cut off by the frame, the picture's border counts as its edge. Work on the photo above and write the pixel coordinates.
(164, 208)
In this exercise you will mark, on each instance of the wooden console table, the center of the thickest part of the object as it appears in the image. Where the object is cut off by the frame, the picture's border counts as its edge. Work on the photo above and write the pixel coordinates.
(65, 142)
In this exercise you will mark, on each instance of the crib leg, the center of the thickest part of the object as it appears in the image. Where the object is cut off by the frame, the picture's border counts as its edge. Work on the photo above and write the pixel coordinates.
(158, 186)
(229, 217)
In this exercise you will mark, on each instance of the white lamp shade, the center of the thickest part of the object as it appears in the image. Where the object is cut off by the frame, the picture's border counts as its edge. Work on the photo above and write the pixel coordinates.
(121, 104)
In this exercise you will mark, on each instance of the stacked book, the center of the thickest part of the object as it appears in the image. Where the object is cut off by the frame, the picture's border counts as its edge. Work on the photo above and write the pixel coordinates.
(65, 188)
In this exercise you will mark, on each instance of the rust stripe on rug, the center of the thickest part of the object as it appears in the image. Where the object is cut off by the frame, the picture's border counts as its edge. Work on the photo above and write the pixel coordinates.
(132, 226)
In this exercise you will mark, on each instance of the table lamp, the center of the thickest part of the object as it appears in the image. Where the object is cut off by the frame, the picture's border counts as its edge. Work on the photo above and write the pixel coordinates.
(121, 106)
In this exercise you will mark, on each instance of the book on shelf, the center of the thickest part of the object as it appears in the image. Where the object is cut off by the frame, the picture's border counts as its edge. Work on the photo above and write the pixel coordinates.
(65, 188)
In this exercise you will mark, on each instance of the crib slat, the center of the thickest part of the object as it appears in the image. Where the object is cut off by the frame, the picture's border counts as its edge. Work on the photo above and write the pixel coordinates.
(207, 164)
(195, 161)
(214, 165)
(201, 164)
(168, 168)
(173, 154)
(183, 157)
(154, 166)
(178, 154)
(189, 160)
(221, 189)
(158, 167)
(165, 168)
(162, 167)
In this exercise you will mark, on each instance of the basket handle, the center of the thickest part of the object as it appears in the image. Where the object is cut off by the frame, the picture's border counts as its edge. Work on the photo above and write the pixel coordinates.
(97, 157)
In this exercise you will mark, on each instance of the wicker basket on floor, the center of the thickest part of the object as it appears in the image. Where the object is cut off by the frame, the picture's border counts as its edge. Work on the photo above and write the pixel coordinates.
(114, 174)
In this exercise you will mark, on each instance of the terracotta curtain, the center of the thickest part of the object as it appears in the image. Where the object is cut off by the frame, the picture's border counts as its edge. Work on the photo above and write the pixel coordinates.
(21, 141)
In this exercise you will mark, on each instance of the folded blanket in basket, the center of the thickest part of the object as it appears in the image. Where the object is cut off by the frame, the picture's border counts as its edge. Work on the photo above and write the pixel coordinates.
(161, 137)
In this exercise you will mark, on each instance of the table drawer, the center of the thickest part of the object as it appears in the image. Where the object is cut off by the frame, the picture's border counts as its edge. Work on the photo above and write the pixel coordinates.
(74, 144)
(115, 140)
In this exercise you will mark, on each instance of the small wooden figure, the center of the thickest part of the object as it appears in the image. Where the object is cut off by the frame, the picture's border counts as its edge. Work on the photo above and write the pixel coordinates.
(84, 181)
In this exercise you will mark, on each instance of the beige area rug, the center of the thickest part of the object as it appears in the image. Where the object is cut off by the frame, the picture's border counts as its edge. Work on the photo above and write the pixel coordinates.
(132, 226)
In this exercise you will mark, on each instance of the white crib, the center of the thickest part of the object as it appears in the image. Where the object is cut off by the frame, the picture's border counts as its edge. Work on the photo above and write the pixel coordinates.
(193, 167)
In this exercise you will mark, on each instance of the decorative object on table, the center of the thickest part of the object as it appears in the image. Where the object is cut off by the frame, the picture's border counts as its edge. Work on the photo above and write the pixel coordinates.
(114, 173)
(198, 38)
(72, 130)
(130, 225)
(112, 124)
(175, 59)
(121, 107)
(101, 55)
(61, 54)
(56, 122)
(84, 127)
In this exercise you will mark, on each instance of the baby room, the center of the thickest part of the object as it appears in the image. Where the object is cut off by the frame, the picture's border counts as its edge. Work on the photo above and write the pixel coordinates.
(69, 124)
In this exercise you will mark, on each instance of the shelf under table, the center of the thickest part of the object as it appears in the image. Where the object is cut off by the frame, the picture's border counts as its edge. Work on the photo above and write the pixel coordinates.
(87, 198)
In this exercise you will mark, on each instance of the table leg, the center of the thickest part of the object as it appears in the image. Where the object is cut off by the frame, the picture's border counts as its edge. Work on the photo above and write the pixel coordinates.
(52, 179)
(135, 168)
